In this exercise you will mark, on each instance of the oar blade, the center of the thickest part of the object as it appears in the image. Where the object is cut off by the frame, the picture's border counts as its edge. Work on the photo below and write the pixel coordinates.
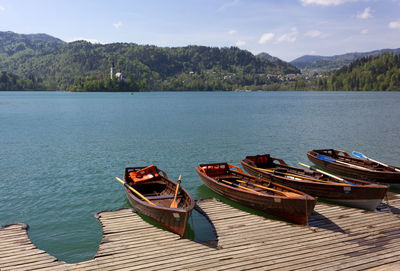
(359, 154)
(174, 203)
(325, 158)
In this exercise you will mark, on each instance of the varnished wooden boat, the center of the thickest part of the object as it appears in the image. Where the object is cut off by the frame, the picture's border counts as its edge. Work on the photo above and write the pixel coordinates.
(155, 186)
(271, 198)
(342, 163)
(351, 192)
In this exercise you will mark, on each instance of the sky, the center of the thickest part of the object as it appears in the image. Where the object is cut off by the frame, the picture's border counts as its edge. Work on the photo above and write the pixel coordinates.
(286, 29)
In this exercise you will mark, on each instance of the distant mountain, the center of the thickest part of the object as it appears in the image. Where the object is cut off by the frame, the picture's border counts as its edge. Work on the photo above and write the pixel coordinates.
(9, 37)
(12, 43)
(268, 57)
(288, 68)
(53, 64)
(313, 63)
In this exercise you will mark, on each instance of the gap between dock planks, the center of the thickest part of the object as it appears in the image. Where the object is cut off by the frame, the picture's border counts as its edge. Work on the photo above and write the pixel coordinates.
(338, 238)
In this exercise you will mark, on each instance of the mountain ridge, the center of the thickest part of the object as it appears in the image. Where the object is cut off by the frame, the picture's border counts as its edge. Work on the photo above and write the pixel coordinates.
(316, 63)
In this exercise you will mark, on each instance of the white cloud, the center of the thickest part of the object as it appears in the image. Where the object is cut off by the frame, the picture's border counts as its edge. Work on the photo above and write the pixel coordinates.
(117, 25)
(313, 52)
(2, 8)
(94, 41)
(266, 37)
(313, 34)
(325, 2)
(364, 31)
(232, 32)
(365, 14)
(394, 24)
(289, 37)
(240, 43)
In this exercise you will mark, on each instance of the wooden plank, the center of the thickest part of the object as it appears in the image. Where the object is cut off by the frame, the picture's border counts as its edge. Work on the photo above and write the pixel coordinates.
(9, 234)
(368, 258)
(210, 254)
(27, 259)
(326, 260)
(136, 246)
(357, 227)
(282, 250)
(248, 241)
(348, 216)
(13, 239)
(7, 246)
(256, 254)
(120, 212)
(5, 250)
(146, 236)
(162, 255)
(19, 253)
(36, 265)
(332, 261)
(387, 264)
(127, 222)
(292, 259)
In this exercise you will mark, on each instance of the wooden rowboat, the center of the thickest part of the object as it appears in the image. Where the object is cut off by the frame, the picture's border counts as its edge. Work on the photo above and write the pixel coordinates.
(347, 191)
(340, 162)
(271, 198)
(158, 196)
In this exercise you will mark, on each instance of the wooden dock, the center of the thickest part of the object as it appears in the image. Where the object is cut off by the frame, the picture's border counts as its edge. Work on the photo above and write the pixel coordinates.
(338, 238)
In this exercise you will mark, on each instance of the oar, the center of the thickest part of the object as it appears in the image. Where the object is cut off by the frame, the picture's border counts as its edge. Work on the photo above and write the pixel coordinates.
(242, 187)
(292, 175)
(174, 203)
(363, 156)
(287, 194)
(330, 159)
(134, 191)
(326, 173)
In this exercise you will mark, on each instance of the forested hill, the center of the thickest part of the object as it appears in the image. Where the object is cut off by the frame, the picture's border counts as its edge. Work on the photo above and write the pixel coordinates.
(368, 73)
(11, 43)
(313, 63)
(49, 63)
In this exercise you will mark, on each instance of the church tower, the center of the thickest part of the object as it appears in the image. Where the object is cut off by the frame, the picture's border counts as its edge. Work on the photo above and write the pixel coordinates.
(112, 71)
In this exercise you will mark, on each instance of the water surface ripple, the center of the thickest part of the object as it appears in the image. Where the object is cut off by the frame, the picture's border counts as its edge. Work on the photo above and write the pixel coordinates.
(60, 151)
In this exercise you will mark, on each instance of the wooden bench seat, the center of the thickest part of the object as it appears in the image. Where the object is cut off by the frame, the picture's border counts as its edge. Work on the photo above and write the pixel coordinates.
(171, 196)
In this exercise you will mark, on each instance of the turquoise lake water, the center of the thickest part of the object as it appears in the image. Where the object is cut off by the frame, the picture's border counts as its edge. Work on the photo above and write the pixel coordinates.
(60, 151)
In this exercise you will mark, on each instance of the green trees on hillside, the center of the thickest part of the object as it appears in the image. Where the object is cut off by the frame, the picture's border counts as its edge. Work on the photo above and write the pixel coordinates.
(41, 62)
(82, 66)
(369, 73)
(98, 84)
(12, 82)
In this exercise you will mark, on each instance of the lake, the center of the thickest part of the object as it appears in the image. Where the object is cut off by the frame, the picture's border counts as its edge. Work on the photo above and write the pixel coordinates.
(60, 151)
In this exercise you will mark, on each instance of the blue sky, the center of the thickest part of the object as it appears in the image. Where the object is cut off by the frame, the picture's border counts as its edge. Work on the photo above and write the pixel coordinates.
(287, 29)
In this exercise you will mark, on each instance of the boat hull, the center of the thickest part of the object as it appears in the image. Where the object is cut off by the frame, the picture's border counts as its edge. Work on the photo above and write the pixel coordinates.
(365, 204)
(174, 220)
(297, 210)
(366, 197)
